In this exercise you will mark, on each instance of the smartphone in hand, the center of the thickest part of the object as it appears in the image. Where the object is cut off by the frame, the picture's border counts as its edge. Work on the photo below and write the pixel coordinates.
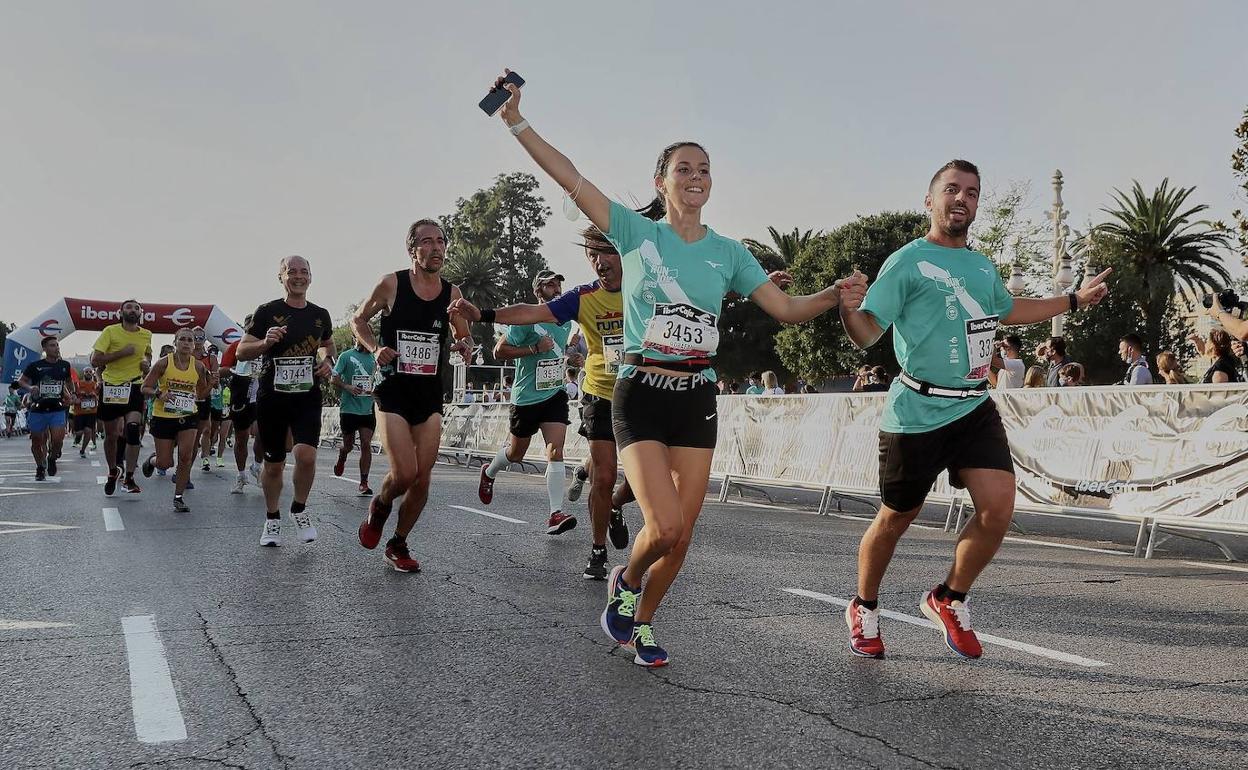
(497, 97)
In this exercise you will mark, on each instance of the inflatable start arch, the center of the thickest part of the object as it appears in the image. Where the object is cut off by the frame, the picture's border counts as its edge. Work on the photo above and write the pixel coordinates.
(71, 314)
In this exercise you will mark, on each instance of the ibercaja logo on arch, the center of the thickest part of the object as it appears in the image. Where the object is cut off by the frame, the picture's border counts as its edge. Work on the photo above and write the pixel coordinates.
(92, 313)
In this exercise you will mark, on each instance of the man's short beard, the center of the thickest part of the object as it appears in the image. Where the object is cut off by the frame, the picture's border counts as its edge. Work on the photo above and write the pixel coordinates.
(955, 231)
(429, 270)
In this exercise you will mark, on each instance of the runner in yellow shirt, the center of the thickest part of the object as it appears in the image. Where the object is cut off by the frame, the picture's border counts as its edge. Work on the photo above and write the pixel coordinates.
(123, 354)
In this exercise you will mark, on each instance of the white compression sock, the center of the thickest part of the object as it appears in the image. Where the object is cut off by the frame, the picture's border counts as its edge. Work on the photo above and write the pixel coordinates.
(554, 484)
(497, 463)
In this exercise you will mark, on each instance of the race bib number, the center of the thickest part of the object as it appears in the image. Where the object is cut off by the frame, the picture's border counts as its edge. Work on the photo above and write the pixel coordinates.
(180, 402)
(680, 329)
(86, 403)
(418, 353)
(50, 389)
(364, 382)
(292, 374)
(116, 394)
(981, 335)
(549, 373)
(612, 351)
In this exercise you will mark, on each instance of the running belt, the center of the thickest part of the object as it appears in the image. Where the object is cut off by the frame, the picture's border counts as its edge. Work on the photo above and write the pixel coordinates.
(928, 389)
(687, 365)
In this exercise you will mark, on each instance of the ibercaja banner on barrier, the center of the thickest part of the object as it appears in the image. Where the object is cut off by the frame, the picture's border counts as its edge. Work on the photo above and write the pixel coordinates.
(1169, 452)
(68, 315)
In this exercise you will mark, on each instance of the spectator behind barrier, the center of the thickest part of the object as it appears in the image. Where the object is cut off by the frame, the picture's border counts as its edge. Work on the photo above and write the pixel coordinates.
(1053, 350)
(1131, 351)
(1224, 367)
(1007, 369)
(1071, 375)
(771, 385)
(1035, 378)
(1168, 368)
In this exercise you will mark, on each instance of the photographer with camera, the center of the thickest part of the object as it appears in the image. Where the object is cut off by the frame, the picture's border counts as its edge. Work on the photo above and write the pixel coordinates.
(1228, 310)
(1053, 350)
(1007, 368)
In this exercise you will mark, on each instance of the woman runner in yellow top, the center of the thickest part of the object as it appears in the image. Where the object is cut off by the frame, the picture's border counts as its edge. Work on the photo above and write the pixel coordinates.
(176, 382)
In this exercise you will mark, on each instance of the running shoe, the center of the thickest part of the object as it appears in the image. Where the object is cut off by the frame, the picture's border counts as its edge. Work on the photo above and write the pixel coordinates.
(133, 488)
(149, 466)
(341, 465)
(864, 630)
(220, 462)
(365, 489)
(206, 468)
(559, 523)
(303, 523)
(399, 557)
(596, 567)
(110, 486)
(82, 452)
(617, 617)
(953, 619)
(373, 524)
(239, 484)
(649, 654)
(39, 474)
(162, 472)
(272, 534)
(485, 490)
(179, 505)
(255, 471)
(577, 485)
(617, 530)
(51, 465)
(189, 484)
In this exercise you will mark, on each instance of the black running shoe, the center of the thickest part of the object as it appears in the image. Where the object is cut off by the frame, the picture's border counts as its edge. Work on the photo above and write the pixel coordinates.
(51, 465)
(596, 568)
(617, 530)
(179, 505)
(39, 474)
(149, 466)
(110, 486)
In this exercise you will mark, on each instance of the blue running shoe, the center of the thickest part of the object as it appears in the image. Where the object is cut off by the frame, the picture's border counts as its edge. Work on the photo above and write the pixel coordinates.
(617, 618)
(649, 654)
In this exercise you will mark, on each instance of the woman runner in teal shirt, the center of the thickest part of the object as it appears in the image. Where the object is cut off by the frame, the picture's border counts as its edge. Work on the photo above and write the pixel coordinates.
(676, 272)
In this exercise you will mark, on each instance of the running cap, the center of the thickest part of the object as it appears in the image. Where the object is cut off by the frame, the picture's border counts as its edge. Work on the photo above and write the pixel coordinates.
(546, 275)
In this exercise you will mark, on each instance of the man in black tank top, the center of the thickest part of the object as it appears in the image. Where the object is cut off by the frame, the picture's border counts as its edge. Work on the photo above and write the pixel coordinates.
(287, 334)
(414, 327)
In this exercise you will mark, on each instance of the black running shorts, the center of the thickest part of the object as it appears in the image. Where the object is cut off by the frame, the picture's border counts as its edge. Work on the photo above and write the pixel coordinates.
(676, 411)
(84, 421)
(243, 416)
(353, 422)
(414, 398)
(910, 463)
(528, 419)
(298, 413)
(203, 410)
(596, 419)
(109, 412)
(168, 428)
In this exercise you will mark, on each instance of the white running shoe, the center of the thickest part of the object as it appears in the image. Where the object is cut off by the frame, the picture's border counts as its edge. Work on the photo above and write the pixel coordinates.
(272, 533)
(239, 483)
(574, 489)
(255, 472)
(303, 522)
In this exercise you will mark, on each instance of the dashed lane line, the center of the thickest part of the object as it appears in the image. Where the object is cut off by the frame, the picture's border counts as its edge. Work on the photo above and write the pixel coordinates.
(112, 520)
(487, 513)
(157, 717)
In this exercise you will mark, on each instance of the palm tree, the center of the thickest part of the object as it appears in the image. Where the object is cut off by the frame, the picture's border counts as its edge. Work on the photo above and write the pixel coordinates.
(783, 247)
(476, 272)
(1166, 248)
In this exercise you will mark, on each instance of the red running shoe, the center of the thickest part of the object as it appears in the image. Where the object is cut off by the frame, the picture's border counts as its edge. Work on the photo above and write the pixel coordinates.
(560, 523)
(864, 631)
(953, 619)
(398, 557)
(374, 522)
(132, 487)
(341, 465)
(485, 490)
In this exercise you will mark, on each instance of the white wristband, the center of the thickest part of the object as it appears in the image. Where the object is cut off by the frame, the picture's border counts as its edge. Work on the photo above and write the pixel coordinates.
(519, 128)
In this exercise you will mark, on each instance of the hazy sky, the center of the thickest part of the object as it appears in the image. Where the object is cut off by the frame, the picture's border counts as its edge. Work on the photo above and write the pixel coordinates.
(176, 151)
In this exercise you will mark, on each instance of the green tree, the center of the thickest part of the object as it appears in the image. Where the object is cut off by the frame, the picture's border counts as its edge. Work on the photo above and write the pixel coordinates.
(1239, 167)
(1166, 249)
(747, 334)
(784, 247)
(820, 348)
(504, 221)
(5, 328)
(473, 269)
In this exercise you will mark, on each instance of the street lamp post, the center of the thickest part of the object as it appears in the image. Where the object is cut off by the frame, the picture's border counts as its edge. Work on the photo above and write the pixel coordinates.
(1063, 273)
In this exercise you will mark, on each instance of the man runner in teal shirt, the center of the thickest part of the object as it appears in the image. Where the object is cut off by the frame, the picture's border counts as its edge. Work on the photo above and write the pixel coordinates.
(538, 400)
(945, 303)
(353, 376)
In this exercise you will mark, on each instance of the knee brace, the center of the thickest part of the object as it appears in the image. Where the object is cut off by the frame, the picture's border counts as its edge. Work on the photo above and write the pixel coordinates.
(134, 434)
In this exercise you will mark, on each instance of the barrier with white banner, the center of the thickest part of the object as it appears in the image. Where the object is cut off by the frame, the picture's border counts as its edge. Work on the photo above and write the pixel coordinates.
(1170, 454)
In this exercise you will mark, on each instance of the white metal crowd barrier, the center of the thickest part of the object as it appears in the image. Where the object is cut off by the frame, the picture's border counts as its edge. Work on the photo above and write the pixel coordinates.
(1165, 457)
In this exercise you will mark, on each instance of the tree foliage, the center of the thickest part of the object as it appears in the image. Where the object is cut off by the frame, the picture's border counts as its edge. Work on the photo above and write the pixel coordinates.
(503, 221)
(1239, 168)
(819, 348)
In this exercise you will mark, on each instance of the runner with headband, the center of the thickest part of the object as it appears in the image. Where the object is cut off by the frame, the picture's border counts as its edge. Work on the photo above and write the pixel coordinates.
(676, 273)
(175, 383)
(945, 303)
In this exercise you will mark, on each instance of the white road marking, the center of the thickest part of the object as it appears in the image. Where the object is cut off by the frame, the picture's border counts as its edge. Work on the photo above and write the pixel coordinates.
(157, 718)
(24, 625)
(491, 515)
(19, 491)
(346, 478)
(112, 520)
(1029, 541)
(1216, 566)
(1043, 652)
(95, 463)
(101, 479)
(26, 526)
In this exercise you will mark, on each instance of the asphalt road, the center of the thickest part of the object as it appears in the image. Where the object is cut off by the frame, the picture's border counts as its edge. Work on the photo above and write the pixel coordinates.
(120, 633)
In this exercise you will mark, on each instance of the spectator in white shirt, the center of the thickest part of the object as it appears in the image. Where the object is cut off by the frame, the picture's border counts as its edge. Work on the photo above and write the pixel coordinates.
(771, 385)
(1007, 369)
